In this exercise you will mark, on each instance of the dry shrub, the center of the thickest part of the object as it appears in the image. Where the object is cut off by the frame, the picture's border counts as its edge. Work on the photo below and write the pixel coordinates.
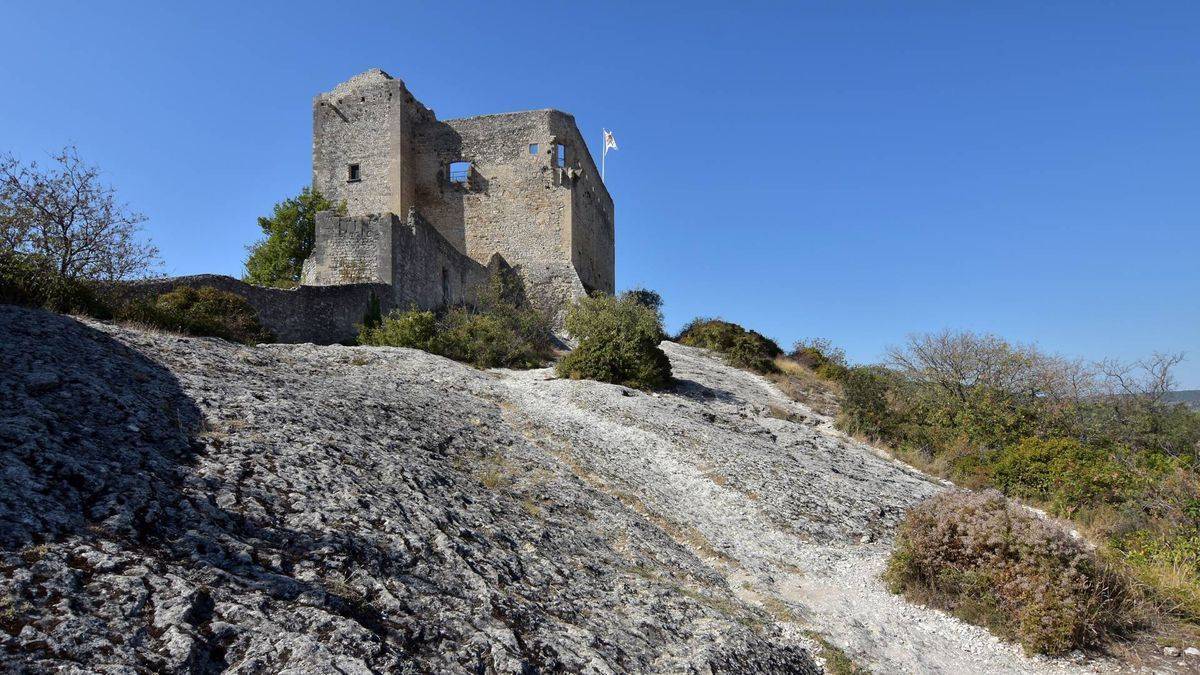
(992, 563)
(801, 384)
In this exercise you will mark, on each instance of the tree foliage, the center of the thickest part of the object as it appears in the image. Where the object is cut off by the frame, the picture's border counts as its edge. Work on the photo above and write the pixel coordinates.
(66, 217)
(618, 342)
(1100, 442)
(289, 235)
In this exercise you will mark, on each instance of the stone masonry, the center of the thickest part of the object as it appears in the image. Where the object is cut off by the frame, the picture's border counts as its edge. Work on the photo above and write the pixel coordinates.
(521, 185)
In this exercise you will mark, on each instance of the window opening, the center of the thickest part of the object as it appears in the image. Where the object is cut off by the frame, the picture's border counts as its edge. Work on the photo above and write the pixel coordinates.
(460, 172)
(353, 173)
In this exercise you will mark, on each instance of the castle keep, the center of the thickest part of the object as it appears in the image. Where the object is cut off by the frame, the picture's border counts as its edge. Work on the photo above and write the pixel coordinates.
(430, 203)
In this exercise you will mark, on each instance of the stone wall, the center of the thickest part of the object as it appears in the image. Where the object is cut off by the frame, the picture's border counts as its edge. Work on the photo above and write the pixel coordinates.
(429, 272)
(422, 269)
(318, 314)
(593, 237)
(350, 249)
(553, 223)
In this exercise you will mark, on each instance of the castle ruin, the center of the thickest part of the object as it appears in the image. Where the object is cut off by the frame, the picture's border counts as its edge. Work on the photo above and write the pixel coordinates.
(430, 204)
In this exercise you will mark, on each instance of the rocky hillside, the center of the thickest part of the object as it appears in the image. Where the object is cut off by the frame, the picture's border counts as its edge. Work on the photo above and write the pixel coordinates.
(184, 504)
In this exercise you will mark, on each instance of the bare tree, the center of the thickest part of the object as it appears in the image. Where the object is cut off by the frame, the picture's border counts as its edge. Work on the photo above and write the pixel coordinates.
(64, 214)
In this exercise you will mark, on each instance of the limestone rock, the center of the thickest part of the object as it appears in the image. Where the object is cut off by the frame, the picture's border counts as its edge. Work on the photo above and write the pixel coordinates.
(191, 505)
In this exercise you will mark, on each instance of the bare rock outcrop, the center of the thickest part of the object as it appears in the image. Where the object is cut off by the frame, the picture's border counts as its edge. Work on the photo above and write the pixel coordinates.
(182, 504)
(191, 505)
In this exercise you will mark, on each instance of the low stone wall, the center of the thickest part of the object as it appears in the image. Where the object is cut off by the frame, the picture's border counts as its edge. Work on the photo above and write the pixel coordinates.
(319, 314)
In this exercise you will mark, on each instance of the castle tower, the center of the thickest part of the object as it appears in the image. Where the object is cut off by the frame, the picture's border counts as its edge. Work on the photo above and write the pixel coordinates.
(522, 185)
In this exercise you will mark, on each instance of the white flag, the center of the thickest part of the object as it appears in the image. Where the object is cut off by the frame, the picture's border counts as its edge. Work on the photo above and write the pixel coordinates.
(610, 143)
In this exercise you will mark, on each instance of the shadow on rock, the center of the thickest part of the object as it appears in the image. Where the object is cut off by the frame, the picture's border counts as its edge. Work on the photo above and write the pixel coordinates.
(701, 392)
(93, 435)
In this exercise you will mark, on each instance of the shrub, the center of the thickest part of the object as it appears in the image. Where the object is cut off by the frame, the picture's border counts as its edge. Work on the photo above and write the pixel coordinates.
(1062, 472)
(494, 339)
(822, 357)
(32, 281)
(414, 329)
(618, 342)
(741, 347)
(502, 332)
(864, 403)
(646, 298)
(994, 564)
(203, 311)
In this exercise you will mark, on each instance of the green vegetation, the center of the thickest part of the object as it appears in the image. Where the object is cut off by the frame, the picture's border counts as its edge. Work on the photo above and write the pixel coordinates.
(618, 341)
(995, 564)
(29, 280)
(289, 234)
(741, 347)
(822, 357)
(501, 332)
(1099, 443)
(32, 280)
(203, 311)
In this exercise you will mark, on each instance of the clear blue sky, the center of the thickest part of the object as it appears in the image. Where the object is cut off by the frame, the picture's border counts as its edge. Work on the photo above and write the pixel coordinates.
(854, 170)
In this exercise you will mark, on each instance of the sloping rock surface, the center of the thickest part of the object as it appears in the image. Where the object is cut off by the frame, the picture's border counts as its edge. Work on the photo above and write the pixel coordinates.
(185, 504)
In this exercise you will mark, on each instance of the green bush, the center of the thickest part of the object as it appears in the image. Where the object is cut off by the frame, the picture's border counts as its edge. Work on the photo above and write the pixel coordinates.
(502, 332)
(822, 357)
(482, 339)
(494, 339)
(618, 342)
(202, 311)
(414, 329)
(741, 347)
(864, 402)
(1062, 472)
(994, 564)
(646, 298)
(32, 281)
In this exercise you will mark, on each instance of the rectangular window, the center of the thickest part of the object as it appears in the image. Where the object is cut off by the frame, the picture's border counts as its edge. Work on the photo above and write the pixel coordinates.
(353, 173)
(560, 154)
(460, 172)
(533, 148)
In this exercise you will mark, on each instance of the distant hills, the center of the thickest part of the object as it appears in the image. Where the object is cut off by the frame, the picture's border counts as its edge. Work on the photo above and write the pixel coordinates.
(1188, 397)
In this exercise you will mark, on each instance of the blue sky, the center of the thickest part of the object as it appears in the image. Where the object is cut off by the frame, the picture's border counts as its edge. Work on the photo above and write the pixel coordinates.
(853, 170)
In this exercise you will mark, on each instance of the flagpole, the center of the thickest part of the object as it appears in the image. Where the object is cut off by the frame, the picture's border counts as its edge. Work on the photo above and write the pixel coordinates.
(603, 155)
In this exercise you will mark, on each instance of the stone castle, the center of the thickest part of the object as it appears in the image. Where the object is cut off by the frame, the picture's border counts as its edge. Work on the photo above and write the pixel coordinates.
(432, 209)
(431, 204)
